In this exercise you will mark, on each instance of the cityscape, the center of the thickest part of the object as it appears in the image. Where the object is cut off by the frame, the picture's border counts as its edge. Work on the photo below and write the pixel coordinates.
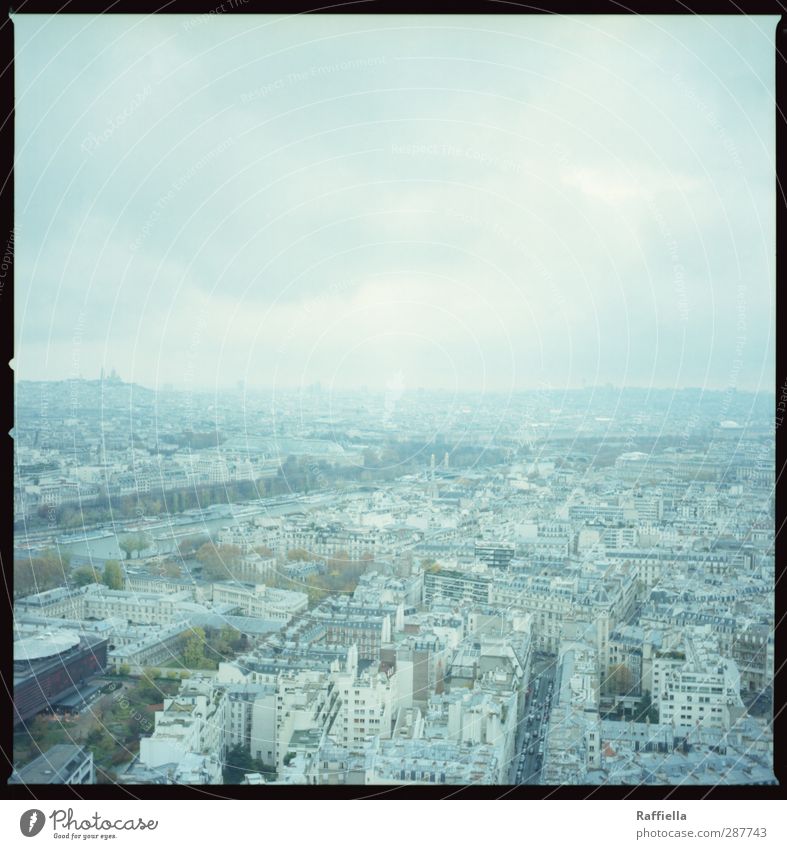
(394, 404)
(552, 588)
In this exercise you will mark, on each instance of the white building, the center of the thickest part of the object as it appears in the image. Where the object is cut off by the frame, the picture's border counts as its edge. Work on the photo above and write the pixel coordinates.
(136, 607)
(191, 724)
(260, 600)
(703, 690)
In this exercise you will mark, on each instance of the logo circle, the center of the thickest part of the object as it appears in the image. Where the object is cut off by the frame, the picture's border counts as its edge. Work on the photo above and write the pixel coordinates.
(31, 822)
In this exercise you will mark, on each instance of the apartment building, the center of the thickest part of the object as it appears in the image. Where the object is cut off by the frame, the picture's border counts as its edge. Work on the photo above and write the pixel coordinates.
(702, 690)
(260, 601)
(192, 723)
(139, 608)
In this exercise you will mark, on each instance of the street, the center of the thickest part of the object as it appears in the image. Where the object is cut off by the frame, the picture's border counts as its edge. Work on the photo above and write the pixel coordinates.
(526, 766)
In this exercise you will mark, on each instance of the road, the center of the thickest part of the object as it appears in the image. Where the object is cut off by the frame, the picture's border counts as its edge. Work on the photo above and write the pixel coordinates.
(526, 768)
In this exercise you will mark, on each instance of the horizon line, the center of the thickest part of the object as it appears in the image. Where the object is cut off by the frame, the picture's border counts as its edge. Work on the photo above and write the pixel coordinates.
(317, 387)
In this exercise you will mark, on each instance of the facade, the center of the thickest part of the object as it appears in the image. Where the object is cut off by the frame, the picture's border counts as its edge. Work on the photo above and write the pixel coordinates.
(704, 693)
(189, 736)
(497, 555)
(54, 670)
(57, 603)
(260, 601)
(456, 585)
(135, 607)
(404, 761)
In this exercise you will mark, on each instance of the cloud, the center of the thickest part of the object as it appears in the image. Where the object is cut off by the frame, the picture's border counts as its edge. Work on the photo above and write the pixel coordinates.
(344, 198)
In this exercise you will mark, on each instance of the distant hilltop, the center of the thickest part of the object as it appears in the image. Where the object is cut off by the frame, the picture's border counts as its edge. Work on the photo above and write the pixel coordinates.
(81, 391)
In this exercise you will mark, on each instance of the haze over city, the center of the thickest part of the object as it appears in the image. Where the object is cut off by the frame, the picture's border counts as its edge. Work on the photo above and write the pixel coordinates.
(394, 403)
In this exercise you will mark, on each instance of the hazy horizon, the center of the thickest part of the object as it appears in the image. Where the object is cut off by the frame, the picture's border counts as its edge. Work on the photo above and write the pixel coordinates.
(450, 203)
(381, 388)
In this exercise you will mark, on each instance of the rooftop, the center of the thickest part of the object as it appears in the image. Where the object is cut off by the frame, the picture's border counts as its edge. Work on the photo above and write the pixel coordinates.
(54, 766)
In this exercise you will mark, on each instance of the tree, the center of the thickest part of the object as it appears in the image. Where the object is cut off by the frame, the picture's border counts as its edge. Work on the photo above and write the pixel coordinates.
(221, 644)
(620, 679)
(194, 650)
(239, 761)
(314, 592)
(69, 517)
(147, 690)
(298, 554)
(127, 545)
(188, 545)
(646, 710)
(85, 575)
(36, 574)
(171, 569)
(133, 542)
(219, 562)
(113, 575)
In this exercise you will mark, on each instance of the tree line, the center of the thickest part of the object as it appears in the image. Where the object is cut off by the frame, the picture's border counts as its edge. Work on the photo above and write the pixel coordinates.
(295, 475)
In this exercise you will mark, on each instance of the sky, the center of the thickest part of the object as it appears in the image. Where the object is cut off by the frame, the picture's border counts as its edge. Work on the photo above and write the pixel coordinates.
(452, 203)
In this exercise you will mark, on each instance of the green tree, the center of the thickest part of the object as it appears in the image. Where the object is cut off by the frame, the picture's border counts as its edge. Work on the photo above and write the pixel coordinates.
(238, 762)
(619, 680)
(222, 644)
(84, 575)
(194, 650)
(147, 690)
(219, 562)
(188, 545)
(171, 569)
(645, 709)
(133, 542)
(44, 572)
(314, 592)
(113, 575)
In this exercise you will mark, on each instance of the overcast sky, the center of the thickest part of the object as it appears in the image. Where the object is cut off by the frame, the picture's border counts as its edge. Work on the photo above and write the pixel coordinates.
(497, 203)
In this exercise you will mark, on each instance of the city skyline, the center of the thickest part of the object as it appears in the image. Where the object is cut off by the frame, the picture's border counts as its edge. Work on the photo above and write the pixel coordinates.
(236, 385)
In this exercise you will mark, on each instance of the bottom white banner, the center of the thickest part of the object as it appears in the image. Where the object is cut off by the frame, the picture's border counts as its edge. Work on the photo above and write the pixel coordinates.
(393, 824)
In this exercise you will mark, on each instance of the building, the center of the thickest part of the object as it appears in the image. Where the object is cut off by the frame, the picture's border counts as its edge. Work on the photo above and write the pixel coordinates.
(260, 600)
(148, 646)
(701, 690)
(348, 622)
(138, 608)
(61, 764)
(50, 667)
(57, 603)
(188, 730)
(413, 761)
(457, 585)
(366, 707)
(498, 555)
